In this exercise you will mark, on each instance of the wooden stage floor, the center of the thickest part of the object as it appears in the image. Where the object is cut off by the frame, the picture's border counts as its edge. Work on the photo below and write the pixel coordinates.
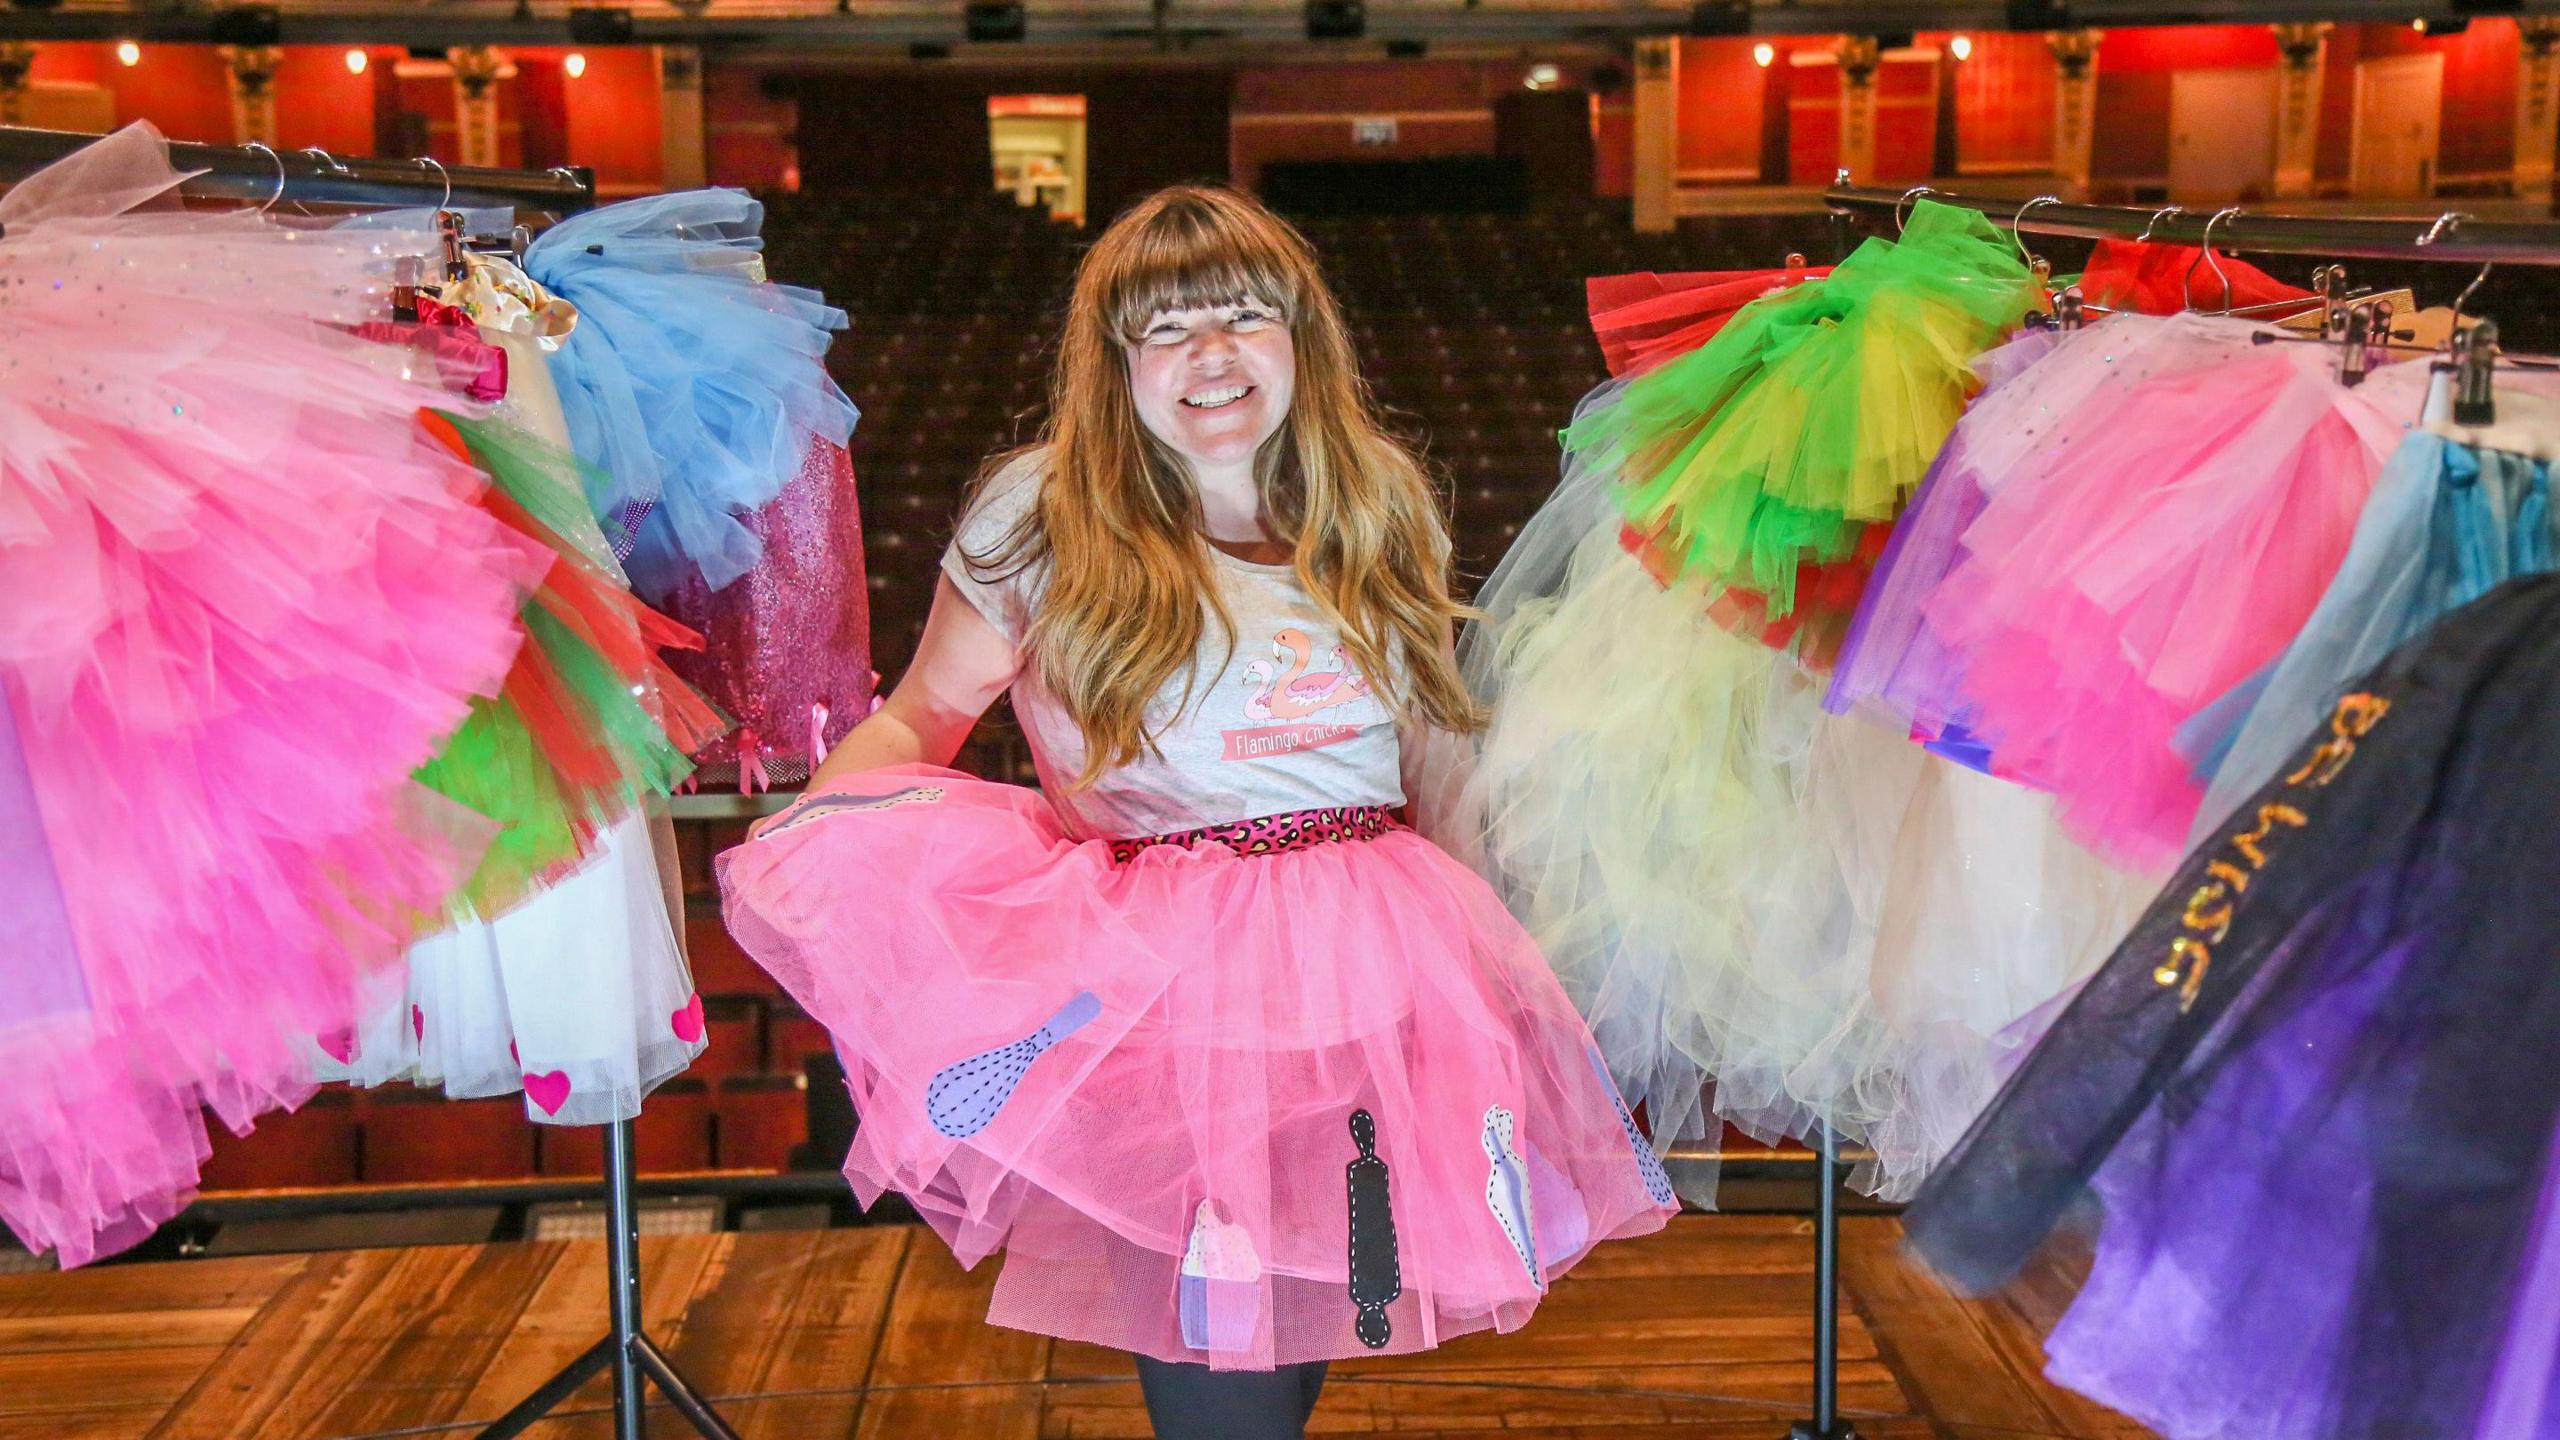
(1700, 1333)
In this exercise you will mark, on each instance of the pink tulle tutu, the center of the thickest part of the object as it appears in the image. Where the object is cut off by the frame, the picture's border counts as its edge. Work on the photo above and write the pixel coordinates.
(2161, 542)
(1238, 1108)
(242, 596)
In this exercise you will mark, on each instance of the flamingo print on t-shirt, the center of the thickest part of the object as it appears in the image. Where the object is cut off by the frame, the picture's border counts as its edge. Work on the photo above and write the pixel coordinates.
(1272, 716)
(1284, 691)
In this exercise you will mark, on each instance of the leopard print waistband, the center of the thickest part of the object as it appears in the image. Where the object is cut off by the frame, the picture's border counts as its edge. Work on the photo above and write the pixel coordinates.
(1272, 834)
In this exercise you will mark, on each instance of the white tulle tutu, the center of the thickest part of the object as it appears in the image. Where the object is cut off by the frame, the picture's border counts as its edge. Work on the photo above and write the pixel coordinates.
(579, 998)
(1771, 916)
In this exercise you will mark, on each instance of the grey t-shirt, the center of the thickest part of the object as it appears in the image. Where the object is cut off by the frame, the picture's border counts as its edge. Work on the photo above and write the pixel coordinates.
(1284, 721)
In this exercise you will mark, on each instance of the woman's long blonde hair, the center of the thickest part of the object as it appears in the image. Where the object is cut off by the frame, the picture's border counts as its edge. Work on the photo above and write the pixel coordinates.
(1117, 521)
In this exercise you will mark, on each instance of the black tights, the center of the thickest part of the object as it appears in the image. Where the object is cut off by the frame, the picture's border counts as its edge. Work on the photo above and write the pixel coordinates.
(1194, 1402)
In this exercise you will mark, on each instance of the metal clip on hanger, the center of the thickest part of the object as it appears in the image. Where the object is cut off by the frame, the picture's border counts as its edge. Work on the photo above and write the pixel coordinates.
(2475, 360)
(408, 277)
(2070, 310)
(2356, 328)
(449, 237)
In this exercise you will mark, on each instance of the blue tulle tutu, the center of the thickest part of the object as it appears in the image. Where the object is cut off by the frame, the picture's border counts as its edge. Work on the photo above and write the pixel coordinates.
(2447, 524)
(692, 385)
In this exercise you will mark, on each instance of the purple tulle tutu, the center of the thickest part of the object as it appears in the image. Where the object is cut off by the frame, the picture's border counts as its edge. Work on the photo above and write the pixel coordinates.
(2316, 1090)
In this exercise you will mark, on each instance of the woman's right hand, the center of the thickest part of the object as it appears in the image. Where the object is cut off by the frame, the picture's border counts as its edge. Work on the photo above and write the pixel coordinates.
(961, 665)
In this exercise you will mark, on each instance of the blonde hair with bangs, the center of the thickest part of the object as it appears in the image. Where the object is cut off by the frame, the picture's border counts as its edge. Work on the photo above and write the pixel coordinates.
(1118, 523)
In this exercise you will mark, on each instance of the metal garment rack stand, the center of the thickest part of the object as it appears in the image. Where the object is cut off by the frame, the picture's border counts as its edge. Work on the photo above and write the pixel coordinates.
(1826, 1423)
(261, 174)
(2452, 237)
(258, 173)
(635, 1359)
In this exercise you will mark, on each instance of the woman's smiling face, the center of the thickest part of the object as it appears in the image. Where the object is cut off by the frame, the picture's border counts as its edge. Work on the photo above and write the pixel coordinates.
(1213, 383)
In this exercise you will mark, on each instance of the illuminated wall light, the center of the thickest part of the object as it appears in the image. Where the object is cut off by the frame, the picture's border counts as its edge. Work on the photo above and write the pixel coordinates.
(128, 53)
(1764, 54)
(356, 61)
(575, 65)
(1961, 47)
(1544, 77)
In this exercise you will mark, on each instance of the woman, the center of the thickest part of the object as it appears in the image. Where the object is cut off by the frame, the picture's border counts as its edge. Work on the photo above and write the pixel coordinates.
(1244, 1074)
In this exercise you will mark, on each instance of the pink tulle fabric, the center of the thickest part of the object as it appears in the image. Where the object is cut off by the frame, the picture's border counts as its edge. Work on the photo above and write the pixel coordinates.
(787, 648)
(242, 596)
(1141, 1079)
(2160, 542)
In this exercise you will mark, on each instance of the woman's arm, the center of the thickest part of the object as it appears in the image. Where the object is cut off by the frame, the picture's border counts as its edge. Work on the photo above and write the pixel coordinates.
(961, 666)
(1437, 766)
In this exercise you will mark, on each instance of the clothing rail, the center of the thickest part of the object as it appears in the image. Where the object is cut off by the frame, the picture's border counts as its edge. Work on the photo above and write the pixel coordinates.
(2451, 237)
(241, 172)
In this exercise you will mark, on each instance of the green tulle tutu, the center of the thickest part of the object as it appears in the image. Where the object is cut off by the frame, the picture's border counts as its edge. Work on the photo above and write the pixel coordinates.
(1814, 413)
(589, 720)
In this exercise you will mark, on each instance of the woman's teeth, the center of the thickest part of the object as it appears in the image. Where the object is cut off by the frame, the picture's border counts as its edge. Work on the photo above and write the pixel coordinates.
(1215, 399)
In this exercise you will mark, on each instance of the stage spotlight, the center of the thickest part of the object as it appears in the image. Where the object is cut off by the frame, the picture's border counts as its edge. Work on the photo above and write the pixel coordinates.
(993, 20)
(1337, 19)
(2037, 15)
(591, 25)
(1720, 17)
(245, 25)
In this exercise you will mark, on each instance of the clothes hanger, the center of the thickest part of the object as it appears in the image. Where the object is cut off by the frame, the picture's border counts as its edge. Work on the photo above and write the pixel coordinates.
(2205, 256)
(269, 152)
(2040, 266)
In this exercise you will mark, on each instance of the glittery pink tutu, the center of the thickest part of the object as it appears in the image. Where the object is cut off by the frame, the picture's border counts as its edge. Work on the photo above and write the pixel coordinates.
(1237, 1108)
(242, 596)
(2163, 541)
(787, 647)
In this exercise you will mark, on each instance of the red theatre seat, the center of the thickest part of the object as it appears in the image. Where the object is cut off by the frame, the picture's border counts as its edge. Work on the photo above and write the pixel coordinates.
(315, 1145)
(672, 1134)
(416, 1136)
(759, 1119)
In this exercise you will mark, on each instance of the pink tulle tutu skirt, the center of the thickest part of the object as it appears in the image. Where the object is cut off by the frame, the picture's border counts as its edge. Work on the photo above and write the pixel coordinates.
(1244, 1102)
(2159, 544)
(242, 596)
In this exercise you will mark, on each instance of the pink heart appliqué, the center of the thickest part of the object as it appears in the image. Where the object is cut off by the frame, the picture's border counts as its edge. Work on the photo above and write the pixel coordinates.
(549, 1090)
(340, 1046)
(688, 1021)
